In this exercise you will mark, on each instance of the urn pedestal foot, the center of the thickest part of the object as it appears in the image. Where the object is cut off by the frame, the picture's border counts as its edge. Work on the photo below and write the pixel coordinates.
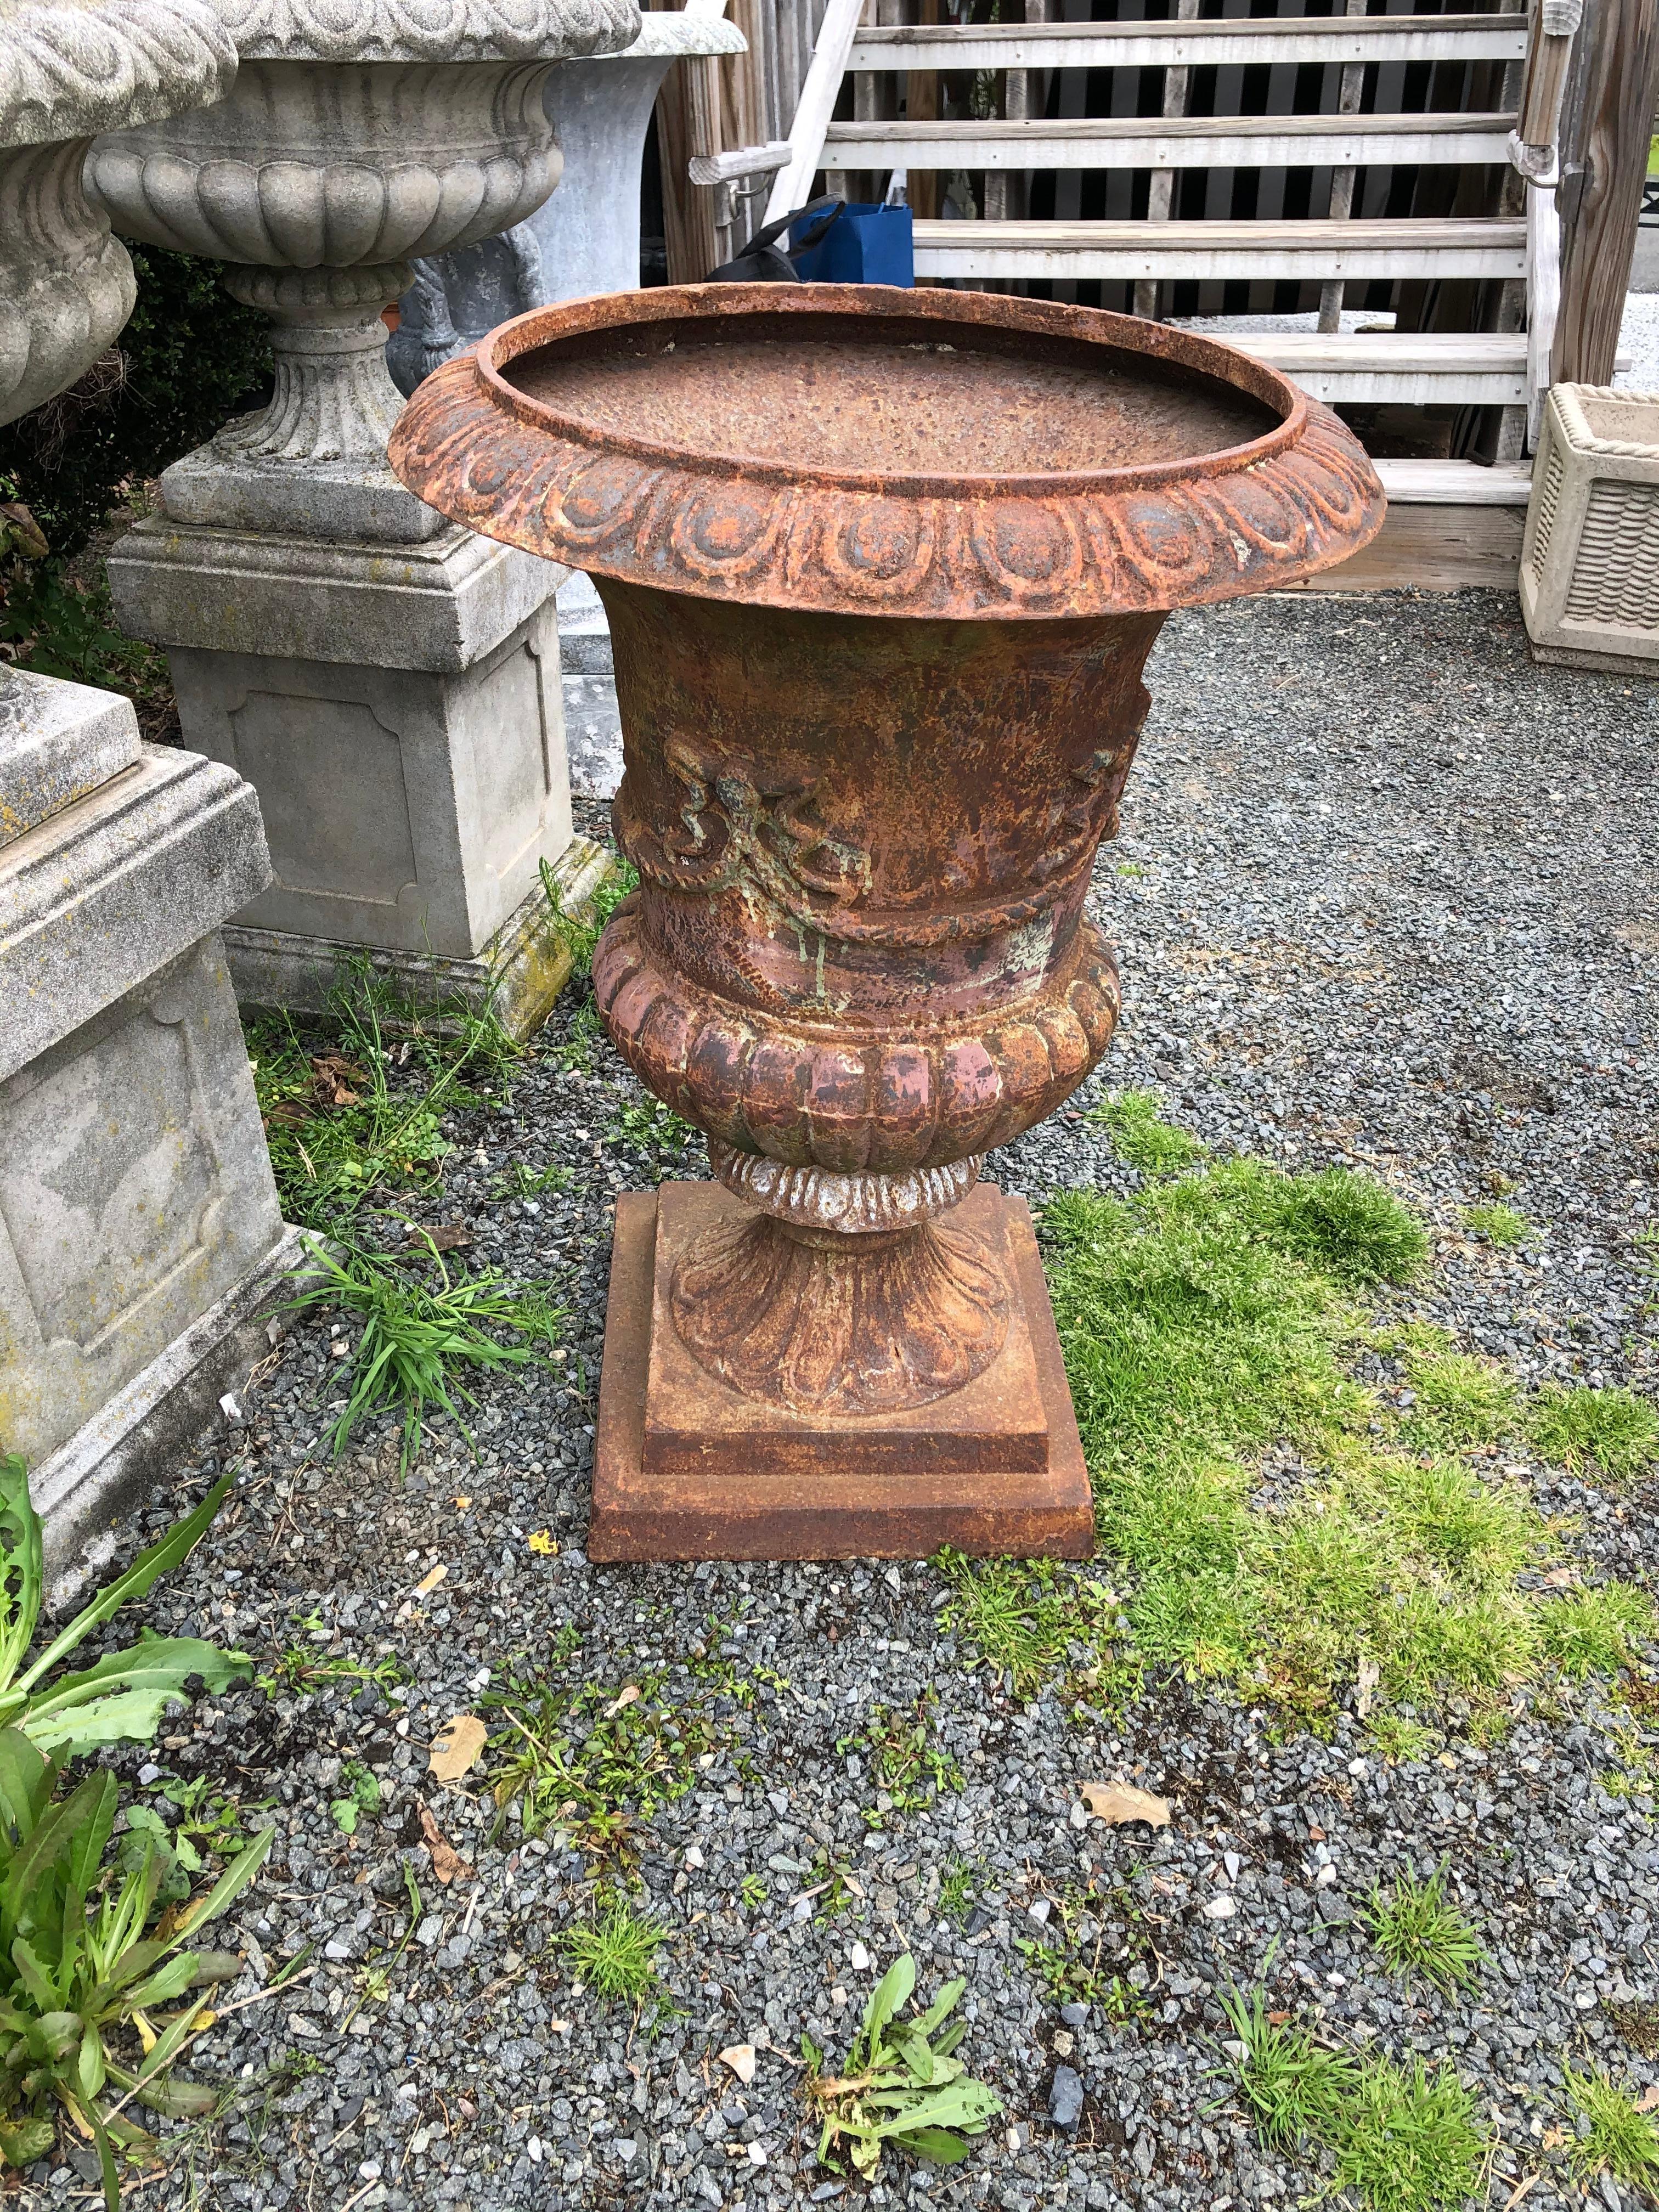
(688, 1467)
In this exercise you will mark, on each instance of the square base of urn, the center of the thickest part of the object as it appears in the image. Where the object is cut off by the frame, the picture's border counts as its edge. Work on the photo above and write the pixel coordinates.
(687, 1468)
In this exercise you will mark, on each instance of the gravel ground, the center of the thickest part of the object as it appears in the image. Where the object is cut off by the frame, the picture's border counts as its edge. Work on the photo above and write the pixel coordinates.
(1383, 898)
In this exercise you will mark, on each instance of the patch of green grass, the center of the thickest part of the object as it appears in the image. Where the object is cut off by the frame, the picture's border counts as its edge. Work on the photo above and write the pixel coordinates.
(1460, 1400)
(1419, 1928)
(1611, 1431)
(520, 1181)
(956, 1891)
(1594, 1632)
(1032, 1621)
(1397, 1739)
(414, 1339)
(1614, 2137)
(1401, 2139)
(906, 1763)
(581, 931)
(1499, 1223)
(1141, 1139)
(615, 1953)
(1212, 1323)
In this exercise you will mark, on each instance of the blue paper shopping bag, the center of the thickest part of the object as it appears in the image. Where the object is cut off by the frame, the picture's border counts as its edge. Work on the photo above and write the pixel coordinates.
(864, 244)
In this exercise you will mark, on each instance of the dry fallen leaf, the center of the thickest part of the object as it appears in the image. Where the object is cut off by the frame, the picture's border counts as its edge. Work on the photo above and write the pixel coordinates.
(1115, 1803)
(1521, 2189)
(1554, 2138)
(1370, 1675)
(1560, 1577)
(335, 1078)
(461, 1505)
(541, 1543)
(1649, 2099)
(446, 1861)
(630, 1696)
(456, 1746)
(449, 1237)
(425, 1588)
(740, 2057)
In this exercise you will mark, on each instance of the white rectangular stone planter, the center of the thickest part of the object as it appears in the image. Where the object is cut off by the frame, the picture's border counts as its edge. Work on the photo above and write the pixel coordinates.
(139, 1229)
(1589, 560)
(398, 710)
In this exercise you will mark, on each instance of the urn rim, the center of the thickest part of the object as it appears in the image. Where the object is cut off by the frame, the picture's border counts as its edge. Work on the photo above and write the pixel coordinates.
(1298, 497)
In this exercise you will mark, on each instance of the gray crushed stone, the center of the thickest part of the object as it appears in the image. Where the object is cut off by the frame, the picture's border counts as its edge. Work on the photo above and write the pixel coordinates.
(1385, 896)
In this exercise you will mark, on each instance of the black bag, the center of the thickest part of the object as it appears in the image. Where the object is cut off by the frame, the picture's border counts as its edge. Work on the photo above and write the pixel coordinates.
(762, 261)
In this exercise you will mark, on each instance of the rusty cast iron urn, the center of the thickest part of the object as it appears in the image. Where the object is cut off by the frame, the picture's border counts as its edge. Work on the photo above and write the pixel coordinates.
(882, 568)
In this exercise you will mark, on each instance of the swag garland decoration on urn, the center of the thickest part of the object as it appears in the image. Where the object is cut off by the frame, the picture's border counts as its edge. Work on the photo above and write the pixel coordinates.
(882, 569)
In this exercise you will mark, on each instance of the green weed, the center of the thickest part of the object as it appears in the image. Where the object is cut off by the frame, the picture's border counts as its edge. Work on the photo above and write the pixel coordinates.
(753, 1890)
(1400, 1739)
(1031, 1621)
(1420, 1930)
(594, 1759)
(1141, 1139)
(901, 2088)
(1611, 1430)
(906, 1763)
(614, 1955)
(413, 1338)
(1614, 2137)
(580, 932)
(522, 1182)
(1401, 2140)
(647, 1125)
(360, 1794)
(1499, 1223)
(956, 1891)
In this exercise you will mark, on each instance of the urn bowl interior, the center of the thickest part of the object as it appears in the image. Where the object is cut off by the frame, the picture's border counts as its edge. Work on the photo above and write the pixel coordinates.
(897, 392)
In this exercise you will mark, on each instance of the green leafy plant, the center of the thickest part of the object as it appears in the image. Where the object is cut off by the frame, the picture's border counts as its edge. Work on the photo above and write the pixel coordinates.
(908, 1766)
(901, 2089)
(361, 1794)
(1419, 1928)
(615, 1953)
(1613, 2136)
(413, 1338)
(122, 1697)
(519, 1181)
(1141, 1139)
(753, 1890)
(84, 1962)
(1611, 1430)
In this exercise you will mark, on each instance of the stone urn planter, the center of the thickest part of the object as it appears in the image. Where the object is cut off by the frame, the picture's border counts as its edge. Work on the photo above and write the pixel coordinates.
(387, 682)
(882, 569)
(584, 239)
(139, 1233)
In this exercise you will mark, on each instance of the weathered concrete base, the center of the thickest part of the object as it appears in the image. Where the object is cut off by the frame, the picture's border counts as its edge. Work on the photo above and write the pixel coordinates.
(1557, 655)
(517, 977)
(399, 711)
(122, 1456)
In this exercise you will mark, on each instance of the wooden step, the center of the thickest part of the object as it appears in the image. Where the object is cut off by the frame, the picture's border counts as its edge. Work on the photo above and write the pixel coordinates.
(1455, 483)
(1417, 368)
(1194, 141)
(1177, 44)
(1450, 525)
(1311, 250)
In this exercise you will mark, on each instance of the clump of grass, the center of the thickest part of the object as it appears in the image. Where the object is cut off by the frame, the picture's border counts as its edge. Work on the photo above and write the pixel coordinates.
(1594, 1632)
(1461, 1401)
(1032, 1621)
(1499, 1223)
(1403, 2140)
(1398, 1739)
(615, 1953)
(413, 1338)
(1141, 1137)
(1611, 1430)
(581, 931)
(1420, 1929)
(1613, 2136)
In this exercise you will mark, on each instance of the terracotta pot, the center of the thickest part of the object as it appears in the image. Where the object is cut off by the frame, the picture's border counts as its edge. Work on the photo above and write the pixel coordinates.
(883, 569)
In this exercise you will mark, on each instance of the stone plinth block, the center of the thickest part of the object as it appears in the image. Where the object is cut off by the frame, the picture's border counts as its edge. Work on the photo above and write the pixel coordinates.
(400, 712)
(139, 1227)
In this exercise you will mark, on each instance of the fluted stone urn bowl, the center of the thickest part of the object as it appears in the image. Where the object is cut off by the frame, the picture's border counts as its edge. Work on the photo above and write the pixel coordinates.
(69, 69)
(356, 140)
(883, 568)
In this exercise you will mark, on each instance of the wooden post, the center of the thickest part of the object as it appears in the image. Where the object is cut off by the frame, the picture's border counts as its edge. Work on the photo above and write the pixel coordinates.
(921, 106)
(1160, 191)
(1342, 180)
(1605, 159)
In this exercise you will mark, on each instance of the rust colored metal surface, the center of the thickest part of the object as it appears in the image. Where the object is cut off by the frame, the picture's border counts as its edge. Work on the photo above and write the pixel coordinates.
(853, 449)
(883, 570)
(684, 1469)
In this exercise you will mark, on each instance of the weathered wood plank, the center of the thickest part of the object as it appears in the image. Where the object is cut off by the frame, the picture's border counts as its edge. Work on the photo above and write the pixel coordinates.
(1248, 141)
(1173, 45)
(1310, 251)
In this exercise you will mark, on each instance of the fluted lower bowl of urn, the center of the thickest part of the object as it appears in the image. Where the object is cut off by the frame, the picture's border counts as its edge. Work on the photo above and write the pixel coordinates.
(883, 569)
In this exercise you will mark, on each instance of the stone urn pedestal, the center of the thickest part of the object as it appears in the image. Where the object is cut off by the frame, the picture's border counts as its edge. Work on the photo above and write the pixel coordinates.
(388, 683)
(882, 569)
(140, 1234)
